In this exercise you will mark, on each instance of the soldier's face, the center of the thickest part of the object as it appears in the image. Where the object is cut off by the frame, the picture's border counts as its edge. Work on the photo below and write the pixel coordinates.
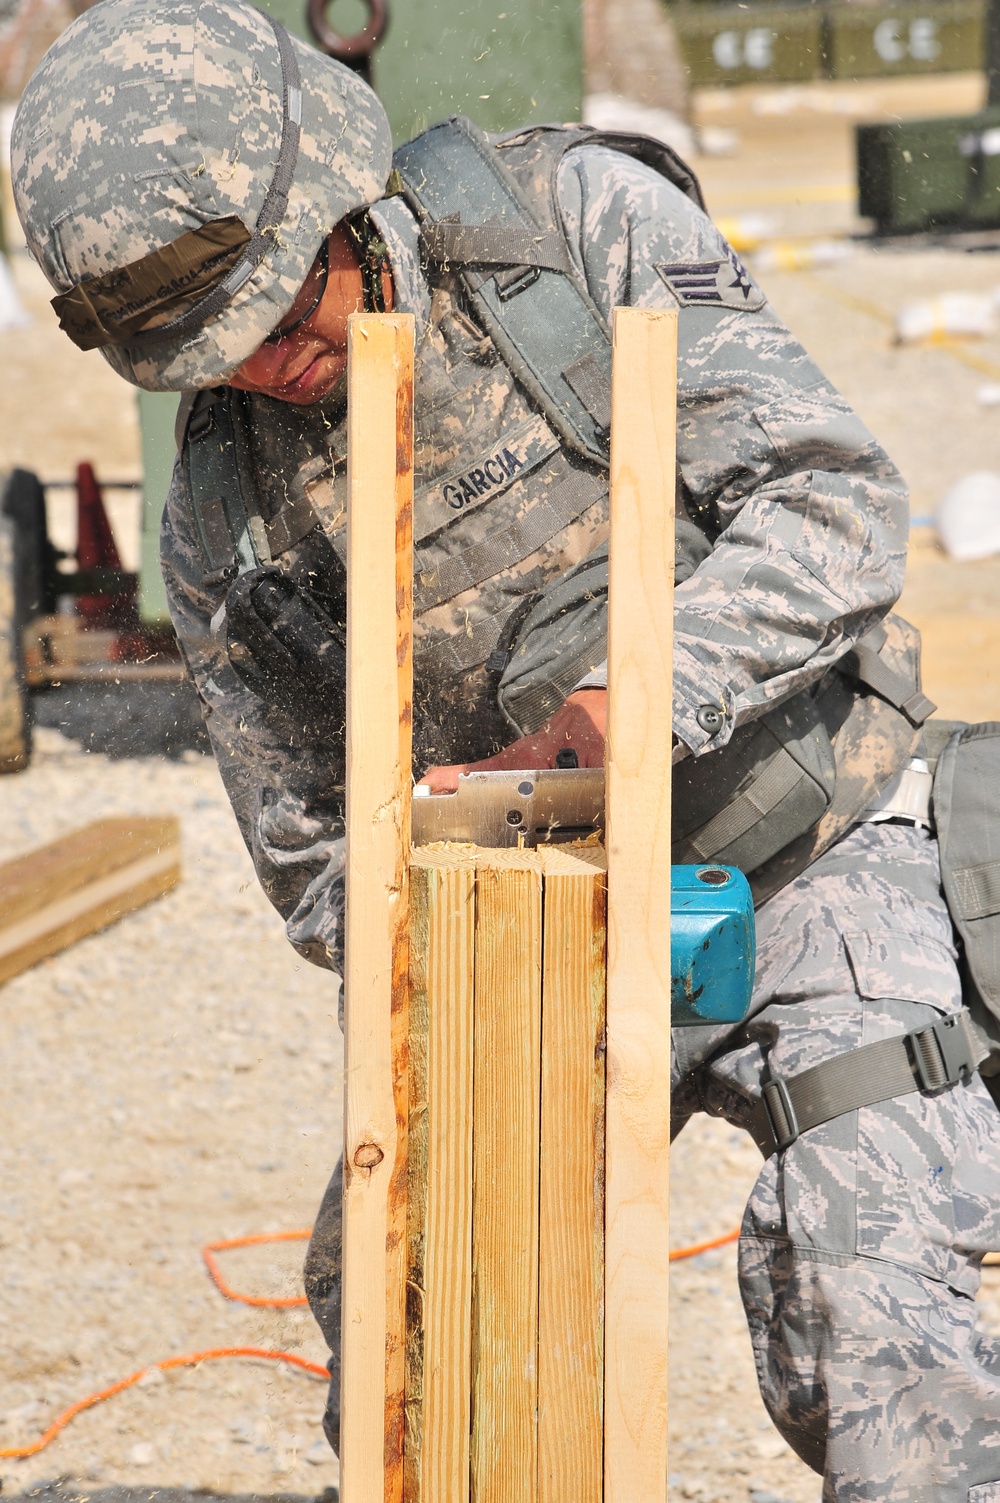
(304, 365)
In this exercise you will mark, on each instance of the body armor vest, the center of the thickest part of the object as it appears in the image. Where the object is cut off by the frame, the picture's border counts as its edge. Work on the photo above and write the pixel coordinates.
(511, 411)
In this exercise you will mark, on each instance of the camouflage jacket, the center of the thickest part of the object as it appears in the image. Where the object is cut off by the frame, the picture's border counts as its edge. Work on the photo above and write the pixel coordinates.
(807, 515)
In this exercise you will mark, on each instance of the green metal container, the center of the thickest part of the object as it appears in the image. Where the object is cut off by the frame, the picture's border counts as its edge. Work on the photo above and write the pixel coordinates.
(734, 44)
(157, 410)
(501, 62)
(876, 41)
(920, 175)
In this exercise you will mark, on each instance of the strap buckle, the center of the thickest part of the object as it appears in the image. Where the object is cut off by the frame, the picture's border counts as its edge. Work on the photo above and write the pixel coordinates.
(780, 1112)
(511, 280)
(942, 1054)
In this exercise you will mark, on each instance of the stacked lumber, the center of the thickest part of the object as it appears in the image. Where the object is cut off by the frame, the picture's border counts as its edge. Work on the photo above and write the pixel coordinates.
(81, 883)
(505, 1223)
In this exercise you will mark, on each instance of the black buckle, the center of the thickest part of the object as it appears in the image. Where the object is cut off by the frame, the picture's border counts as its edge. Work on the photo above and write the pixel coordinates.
(515, 279)
(202, 423)
(941, 1055)
(780, 1112)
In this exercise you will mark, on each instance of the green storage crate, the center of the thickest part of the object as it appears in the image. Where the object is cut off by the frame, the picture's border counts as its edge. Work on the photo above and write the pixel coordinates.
(878, 41)
(734, 44)
(931, 174)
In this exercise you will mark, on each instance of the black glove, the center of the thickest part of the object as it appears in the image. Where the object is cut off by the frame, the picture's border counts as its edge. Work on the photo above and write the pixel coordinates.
(285, 647)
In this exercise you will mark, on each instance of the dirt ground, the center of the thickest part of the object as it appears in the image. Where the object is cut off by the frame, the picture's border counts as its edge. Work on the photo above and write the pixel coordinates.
(173, 1081)
(178, 1078)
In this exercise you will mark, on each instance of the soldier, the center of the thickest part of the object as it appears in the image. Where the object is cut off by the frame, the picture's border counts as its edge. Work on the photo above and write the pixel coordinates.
(211, 199)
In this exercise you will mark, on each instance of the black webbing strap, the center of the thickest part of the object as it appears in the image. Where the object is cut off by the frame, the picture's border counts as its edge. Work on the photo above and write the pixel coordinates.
(518, 275)
(928, 1059)
(227, 518)
(864, 664)
(272, 210)
(373, 259)
(774, 783)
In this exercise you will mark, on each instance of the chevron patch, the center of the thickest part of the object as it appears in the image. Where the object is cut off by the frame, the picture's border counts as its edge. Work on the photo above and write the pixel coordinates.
(725, 284)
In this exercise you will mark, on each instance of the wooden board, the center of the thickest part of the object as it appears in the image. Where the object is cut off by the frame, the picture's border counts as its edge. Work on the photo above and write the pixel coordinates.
(439, 1181)
(638, 845)
(506, 1102)
(81, 883)
(571, 1181)
(379, 690)
(505, 1184)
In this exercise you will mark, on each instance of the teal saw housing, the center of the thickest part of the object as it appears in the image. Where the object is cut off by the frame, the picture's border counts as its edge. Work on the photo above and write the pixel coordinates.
(712, 945)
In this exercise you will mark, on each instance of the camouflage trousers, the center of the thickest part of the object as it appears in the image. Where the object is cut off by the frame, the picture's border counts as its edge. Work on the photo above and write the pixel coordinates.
(860, 1246)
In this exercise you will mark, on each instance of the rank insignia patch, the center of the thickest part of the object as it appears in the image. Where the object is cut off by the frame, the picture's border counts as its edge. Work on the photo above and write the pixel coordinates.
(718, 284)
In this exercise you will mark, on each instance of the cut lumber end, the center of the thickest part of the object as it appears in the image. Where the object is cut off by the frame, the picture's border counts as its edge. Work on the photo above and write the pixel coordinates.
(81, 883)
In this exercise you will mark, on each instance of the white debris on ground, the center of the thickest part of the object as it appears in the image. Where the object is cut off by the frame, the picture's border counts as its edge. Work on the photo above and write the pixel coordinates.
(12, 311)
(613, 112)
(961, 314)
(968, 516)
(800, 255)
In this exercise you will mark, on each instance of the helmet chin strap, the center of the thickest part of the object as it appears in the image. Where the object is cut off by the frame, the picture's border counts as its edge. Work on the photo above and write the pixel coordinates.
(373, 259)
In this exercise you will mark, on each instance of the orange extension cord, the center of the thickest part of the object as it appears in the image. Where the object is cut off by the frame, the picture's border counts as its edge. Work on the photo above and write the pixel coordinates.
(251, 1299)
(700, 1247)
(195, 1359)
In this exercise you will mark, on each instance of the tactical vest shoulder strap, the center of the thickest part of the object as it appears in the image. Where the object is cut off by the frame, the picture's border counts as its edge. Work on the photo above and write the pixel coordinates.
(966, 806)
(525, 151)
(216, 460)
(488, 209)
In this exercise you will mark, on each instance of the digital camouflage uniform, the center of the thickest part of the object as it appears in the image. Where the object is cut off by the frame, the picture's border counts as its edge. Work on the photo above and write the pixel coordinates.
(861, 1242)
(859, 1254)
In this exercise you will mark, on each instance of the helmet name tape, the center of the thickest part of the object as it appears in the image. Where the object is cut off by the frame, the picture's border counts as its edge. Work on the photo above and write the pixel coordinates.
(155, 289)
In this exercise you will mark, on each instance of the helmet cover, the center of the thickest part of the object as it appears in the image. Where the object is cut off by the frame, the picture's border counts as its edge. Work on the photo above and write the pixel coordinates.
(149, 119)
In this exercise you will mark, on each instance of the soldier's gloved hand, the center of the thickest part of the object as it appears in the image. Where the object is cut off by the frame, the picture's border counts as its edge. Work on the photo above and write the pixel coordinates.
(286, 648)
(579, 722)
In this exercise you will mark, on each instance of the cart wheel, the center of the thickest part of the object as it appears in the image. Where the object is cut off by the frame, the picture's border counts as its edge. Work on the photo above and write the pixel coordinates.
(15, 706)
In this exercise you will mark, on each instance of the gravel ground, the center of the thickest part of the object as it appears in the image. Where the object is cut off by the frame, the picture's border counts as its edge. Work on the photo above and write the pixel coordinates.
(174, 1080)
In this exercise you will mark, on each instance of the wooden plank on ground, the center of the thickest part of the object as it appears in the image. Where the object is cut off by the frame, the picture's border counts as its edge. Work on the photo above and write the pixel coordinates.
(508, 967)
(379, 690)
(82, 882)
(439, 1180)
(638, 845)
(571, 1204)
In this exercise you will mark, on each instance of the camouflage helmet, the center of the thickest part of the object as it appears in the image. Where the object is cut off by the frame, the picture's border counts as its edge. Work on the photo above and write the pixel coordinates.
(176, 166)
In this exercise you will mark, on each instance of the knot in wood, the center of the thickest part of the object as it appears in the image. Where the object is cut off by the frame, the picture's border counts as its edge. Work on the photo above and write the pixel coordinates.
(368, 1156)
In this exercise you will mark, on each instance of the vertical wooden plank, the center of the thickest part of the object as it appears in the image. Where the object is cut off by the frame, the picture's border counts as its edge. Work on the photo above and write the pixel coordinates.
(505, 1182)
(379, 690)
(638, 846)
(571, 1203)
(439, 1209)
(424, 884)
